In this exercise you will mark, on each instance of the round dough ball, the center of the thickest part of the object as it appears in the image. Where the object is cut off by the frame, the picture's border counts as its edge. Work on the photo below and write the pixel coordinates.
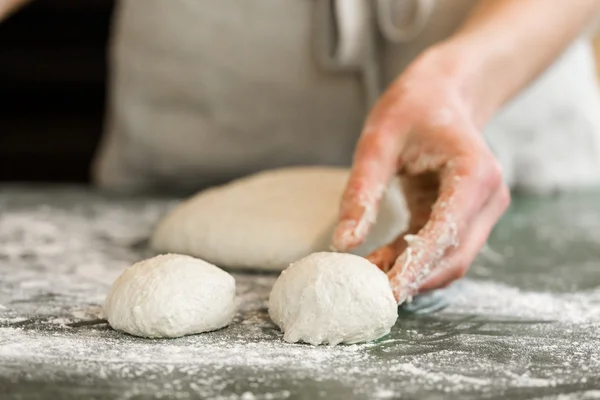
(333, 298)
(268, 220)
(170, 296)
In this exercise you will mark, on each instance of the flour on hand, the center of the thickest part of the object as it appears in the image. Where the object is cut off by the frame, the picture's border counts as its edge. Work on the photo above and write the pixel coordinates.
(170, 296)
(331, 298)
(268, 220)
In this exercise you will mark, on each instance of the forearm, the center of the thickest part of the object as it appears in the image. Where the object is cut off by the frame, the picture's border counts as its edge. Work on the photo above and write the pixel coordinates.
(505, 44)
(7, 7)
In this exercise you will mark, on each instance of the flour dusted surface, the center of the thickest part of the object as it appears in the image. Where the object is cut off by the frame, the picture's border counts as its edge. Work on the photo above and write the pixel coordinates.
(524, 325)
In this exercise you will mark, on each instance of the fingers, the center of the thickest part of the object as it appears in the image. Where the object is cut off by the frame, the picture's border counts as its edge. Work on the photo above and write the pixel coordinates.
(374, 165)
(385, 256)
(465, 187)
(421, 192)
(456, 265)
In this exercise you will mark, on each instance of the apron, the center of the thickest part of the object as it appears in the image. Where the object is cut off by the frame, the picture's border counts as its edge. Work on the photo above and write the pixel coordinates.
(205, 91)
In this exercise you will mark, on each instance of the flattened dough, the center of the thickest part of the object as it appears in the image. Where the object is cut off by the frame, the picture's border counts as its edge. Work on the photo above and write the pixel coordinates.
(271, 219)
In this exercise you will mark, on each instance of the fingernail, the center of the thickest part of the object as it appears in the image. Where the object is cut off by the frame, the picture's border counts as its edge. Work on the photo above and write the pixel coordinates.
(343, 235)
(352, 232)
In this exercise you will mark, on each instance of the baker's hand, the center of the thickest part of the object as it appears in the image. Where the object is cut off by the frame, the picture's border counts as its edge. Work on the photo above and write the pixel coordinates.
(424, 130)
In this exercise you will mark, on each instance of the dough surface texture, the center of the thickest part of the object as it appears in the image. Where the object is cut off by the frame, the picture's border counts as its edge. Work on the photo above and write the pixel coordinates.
(170, 296)
(331, 298)
(271, 219)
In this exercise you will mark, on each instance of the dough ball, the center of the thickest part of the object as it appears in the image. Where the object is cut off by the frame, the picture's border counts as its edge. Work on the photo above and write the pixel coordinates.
(170, 296)
(268, 220)
(333, 298)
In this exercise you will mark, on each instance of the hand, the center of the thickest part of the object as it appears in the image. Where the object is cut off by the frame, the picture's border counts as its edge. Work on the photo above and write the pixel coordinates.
(424, 128)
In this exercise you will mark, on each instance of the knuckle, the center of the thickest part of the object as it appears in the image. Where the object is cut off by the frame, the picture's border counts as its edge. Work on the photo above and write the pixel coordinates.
(484, 169)
(504, 197)
(493, 177)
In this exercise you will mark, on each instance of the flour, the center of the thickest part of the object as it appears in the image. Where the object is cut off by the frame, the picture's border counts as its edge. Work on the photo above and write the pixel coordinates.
(506, 333)
(473, 296)
(208, 365)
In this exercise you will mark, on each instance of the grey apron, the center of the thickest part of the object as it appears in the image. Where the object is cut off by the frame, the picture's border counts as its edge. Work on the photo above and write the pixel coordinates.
(205, 91)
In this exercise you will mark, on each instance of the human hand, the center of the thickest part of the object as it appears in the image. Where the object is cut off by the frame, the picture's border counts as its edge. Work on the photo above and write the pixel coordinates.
(425, 128)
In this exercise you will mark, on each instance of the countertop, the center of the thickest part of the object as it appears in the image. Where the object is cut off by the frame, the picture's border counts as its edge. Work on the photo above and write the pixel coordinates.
(525, 322)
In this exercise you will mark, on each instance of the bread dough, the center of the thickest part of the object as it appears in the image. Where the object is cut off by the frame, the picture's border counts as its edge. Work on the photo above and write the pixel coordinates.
(333, 298)
(170, 296)
(268, 220)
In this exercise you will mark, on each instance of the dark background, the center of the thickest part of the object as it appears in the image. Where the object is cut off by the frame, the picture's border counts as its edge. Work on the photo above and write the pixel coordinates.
(52, 89)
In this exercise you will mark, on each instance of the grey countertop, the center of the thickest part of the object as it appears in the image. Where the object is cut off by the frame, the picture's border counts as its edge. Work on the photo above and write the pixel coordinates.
(524, 324)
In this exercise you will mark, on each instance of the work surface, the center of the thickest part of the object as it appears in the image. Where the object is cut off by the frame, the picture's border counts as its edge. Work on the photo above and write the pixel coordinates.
(524, 324)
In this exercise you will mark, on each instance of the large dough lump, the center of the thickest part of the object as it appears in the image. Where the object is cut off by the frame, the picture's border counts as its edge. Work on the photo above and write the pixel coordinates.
(268, 220)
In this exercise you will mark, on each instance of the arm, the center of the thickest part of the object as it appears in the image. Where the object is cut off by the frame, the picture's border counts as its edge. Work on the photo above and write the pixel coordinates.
(426, 128)
(8, 7)
(508, 43)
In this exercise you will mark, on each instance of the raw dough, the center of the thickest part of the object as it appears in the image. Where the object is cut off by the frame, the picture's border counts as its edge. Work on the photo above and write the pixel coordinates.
(268, 220)
(333, 298)
(170, 296)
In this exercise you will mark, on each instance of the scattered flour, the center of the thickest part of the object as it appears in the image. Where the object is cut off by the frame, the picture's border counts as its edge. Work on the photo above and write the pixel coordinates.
(61, 250)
